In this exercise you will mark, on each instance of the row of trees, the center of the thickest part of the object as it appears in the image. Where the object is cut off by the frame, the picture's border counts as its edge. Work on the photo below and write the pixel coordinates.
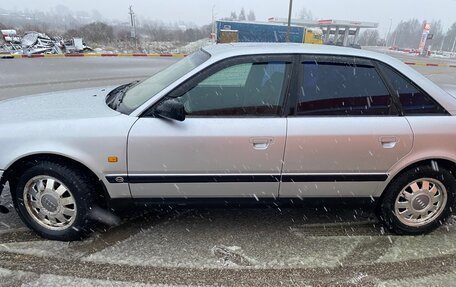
(100, 32)
(369, 37)
(407, 34)
(242, 16)
(61, 21)
(303, 14)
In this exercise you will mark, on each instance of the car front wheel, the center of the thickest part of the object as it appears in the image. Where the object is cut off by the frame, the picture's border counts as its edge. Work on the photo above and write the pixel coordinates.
(419, 200)
(55, 201)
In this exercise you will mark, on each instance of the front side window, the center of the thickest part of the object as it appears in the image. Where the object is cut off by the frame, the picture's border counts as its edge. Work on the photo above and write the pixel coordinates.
(341, 86)
(413, 100)
(244, 89)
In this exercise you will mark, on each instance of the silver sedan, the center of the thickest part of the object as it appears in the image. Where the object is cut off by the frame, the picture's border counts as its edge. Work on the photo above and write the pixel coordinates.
(267, 123)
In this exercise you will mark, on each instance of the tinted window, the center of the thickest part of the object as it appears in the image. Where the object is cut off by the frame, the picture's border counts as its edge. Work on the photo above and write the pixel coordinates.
(242, 89)
(413, 100)
(342, 86)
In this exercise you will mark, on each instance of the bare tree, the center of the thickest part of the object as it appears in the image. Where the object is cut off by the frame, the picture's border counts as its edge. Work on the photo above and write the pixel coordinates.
(305, 14)
(450, 38)
(369, 37)
(408, 33)
(438, 36)
(251, 16)
(242, 16)
(97, 32)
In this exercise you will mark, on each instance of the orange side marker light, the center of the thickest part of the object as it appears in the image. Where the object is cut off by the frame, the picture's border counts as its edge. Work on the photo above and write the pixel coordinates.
(113, 159)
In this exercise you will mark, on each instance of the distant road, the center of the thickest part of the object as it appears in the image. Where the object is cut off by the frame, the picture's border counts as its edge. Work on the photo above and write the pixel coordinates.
(19, 77)
(439, 75)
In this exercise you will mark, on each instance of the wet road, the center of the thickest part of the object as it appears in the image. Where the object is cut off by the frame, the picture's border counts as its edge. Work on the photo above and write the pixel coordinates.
(268, 246)
(19, 77)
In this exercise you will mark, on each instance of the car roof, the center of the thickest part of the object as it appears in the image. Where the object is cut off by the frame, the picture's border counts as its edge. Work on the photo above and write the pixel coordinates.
(240, 49)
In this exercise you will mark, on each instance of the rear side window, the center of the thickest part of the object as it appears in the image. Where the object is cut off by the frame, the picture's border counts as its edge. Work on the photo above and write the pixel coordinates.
(413, 100)
(342, 86)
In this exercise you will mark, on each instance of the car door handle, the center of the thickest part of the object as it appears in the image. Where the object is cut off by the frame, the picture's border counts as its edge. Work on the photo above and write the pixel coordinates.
(388, 141)
(261, 143)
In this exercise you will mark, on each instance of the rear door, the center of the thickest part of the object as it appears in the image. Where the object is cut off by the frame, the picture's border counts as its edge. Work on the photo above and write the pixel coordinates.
(345, 133)
(231, 144)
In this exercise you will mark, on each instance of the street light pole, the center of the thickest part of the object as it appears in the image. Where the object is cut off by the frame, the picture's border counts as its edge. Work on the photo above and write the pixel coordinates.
(443, 42)
(454, 45)
(289, 20)
(389, 32)
(213, 38)
(133, 25)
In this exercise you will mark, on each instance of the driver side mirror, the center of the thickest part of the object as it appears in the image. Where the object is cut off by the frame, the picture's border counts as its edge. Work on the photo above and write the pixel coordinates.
(171, 109)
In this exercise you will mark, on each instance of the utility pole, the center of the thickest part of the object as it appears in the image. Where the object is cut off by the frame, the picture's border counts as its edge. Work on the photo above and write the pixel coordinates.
(290, 10)
(454, 44)
(443, 42)
(394, 39)
(133, 25)
(213, 36)
(389, 33)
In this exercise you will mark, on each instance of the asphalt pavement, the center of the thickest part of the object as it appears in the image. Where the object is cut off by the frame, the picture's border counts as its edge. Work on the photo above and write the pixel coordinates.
(267, 246)
(20, 77)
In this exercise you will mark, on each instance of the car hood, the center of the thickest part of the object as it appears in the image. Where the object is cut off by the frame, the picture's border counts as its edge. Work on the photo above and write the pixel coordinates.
(73, 104)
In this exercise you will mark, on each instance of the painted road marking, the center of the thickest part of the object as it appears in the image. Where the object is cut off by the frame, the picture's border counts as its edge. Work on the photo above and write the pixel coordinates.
(90, 55)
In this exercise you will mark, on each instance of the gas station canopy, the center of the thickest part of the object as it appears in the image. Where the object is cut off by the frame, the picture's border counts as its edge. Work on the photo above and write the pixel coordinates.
(341, 29)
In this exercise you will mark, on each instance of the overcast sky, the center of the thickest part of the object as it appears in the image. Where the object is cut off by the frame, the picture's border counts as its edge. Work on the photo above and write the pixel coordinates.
(199, 11)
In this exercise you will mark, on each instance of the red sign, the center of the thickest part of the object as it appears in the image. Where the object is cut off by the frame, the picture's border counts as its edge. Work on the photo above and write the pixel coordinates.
(325, 21)
(427, 27)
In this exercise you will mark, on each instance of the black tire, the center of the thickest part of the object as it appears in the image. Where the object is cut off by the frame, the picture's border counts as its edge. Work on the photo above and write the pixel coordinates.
(80, 186)
(386, 210)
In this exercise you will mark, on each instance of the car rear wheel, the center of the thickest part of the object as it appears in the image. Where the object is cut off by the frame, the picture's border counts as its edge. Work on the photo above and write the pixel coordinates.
(419, 200)
(55, 201)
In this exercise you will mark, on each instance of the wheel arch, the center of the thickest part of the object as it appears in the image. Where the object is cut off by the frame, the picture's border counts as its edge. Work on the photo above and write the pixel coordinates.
(437, 162)
(13, 171)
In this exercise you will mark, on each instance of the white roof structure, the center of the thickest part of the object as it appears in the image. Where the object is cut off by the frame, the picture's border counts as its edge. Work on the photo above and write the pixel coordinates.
(337, 28)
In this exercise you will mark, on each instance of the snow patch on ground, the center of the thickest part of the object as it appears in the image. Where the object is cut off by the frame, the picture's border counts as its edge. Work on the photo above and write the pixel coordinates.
(29, 279)
(194, 46)
(42, 248)
(58, 281)
(440, 280)
(419, 247)
(10, 278)
(232, 256)
(155, 47)
(174, 246)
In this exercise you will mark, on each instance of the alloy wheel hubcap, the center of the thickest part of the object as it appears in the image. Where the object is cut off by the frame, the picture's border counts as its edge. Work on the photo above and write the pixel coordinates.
(49, 202)
(420, 202)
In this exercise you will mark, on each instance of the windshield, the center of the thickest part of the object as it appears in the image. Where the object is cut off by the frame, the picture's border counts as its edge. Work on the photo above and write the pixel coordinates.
(144, 91)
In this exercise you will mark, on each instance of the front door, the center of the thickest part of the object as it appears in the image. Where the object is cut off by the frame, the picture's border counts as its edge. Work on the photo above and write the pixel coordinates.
(231, 144)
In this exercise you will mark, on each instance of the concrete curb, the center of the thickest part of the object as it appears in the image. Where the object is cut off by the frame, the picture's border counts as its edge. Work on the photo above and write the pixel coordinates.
(429, 65)
(90, 55)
